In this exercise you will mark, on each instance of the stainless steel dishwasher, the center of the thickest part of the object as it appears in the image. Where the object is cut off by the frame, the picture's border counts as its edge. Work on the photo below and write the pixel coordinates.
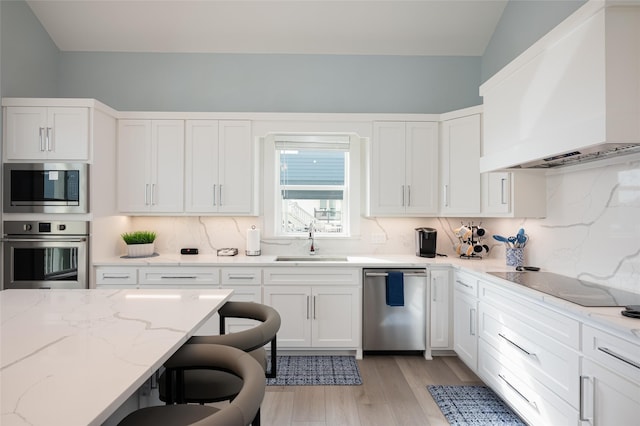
(394, 328)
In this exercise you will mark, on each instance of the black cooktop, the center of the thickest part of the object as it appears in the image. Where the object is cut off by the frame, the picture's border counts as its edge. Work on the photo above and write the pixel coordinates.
(581, 292)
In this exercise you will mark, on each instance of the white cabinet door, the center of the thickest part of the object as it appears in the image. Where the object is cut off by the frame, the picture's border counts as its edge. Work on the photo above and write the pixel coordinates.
(608, 398)
(335, 317)
(460, 165)
(440, 309)
(421, 168)
(150, 166)
(515, 194)
(496, 192)
(236, 167)
(47, 133)
(134, 165)
(167, 179)
(465, 328)
(293, 303)
(388, 154)
(220, 166)
(201, 172)
(404, 169)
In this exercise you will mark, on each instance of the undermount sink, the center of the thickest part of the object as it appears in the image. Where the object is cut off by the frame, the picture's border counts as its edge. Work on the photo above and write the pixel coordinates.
(311, 259)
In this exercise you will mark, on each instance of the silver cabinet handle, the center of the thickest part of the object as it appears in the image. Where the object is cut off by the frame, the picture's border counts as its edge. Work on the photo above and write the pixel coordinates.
(241, 277)
(620, 357)
(220, 192)
(307, 307)
(533, 404)
(581, 414)
(472, 326)
(115, 276)
(49, 144)
(463, 284)
(446, 195)
(153, 190)
(531, 354)
(408, 195)
(314, 307)
(214, 194)
(178, 277)
(41, 138)
(503, 199)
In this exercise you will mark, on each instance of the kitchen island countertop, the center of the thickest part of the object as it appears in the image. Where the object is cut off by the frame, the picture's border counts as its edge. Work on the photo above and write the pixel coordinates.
(72, 357)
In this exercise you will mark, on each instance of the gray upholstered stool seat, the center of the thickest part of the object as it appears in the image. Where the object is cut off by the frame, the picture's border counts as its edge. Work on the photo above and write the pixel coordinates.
(240, 412)
(202, 386)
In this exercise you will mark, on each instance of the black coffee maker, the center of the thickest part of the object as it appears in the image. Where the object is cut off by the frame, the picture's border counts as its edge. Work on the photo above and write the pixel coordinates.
(426, 242)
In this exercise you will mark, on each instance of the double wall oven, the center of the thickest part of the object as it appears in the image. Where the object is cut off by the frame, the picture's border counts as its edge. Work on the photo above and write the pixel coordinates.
(44, 254)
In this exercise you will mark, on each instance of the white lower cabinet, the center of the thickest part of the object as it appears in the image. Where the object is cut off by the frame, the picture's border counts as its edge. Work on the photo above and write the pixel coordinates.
(247, 287)
(440, 312)
(465, 319)
(610, 379)
(529, 355)
(325, 312)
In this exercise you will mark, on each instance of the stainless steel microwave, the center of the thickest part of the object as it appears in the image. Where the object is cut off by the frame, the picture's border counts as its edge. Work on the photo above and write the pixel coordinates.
(46, 188)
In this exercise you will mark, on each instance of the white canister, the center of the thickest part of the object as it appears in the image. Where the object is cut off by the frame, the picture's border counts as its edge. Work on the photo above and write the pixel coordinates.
(253, 242)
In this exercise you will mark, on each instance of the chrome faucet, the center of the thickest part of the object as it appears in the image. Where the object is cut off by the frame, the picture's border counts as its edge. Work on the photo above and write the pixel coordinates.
(312, 236)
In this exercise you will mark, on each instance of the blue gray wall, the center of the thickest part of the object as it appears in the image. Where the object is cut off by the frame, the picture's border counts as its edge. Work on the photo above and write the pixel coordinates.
(523, 22)
(29, 56)
(32, 66)
(272, 83)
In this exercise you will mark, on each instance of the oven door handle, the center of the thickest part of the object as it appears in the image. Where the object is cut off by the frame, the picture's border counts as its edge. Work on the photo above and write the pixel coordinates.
(44, 240)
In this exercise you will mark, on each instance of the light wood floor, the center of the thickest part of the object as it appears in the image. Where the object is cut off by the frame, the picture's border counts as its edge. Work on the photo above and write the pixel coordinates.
(394, 392)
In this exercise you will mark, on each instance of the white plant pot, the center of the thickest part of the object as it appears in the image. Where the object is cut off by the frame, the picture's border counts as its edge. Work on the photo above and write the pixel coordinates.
(140, 250)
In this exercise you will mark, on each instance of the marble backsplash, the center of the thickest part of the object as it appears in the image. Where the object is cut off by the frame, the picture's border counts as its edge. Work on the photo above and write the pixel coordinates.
(591, 231)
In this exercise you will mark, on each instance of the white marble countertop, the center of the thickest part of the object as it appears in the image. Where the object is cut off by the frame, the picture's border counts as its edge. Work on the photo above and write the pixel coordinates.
(607, 318)
(72, 357)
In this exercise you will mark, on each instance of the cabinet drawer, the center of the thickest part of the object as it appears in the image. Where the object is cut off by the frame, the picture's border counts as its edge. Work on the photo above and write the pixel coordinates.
(538, 355)
(311, 276)
(528, 397)
(466, 283)
(548, 322)
(234, 276)
(619, 355)
(117, 276)
(167, 276)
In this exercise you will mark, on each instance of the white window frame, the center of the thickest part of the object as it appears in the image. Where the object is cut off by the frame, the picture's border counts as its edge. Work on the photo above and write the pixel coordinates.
(272, 200)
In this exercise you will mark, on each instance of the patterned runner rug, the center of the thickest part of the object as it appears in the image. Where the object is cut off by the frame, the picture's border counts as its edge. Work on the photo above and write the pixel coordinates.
(473, 405)
(316, 370)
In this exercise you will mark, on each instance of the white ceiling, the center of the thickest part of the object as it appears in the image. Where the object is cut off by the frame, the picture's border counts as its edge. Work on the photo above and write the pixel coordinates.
(378, 27)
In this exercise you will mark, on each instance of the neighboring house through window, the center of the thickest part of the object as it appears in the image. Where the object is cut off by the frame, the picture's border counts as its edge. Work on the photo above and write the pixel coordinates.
(313, 184)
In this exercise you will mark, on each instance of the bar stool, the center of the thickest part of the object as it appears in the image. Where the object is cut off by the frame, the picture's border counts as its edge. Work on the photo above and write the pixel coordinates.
(208, 357)
(206, 386)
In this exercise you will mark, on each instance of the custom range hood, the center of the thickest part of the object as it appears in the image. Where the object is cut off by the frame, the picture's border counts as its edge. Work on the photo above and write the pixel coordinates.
(572, 97)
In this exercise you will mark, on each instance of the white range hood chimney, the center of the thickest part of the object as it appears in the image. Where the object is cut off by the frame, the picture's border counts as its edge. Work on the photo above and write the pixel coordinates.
(573, 96)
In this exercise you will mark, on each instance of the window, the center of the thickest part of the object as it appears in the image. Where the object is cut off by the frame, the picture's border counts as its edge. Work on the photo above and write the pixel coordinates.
(312, 184)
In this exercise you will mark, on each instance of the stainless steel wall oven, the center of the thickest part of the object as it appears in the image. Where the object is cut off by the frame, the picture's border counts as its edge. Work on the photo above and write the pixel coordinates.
(46, 188)
(45, 254)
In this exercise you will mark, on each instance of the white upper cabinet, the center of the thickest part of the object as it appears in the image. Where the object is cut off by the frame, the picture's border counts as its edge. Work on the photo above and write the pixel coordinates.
(150, 166)
(219, 167)
(46, 133)
(574, 88)
(404, 169)
(514, 194)
(460, 173)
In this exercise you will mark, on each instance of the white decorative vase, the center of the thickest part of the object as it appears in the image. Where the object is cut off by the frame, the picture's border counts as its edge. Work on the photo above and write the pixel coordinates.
(140, 250)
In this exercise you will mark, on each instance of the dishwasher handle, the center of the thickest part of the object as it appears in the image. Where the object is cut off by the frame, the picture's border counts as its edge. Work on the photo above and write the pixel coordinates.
(406, 274)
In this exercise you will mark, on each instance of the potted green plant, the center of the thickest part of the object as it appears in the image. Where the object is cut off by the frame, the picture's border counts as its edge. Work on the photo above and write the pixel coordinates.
(139, 243)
